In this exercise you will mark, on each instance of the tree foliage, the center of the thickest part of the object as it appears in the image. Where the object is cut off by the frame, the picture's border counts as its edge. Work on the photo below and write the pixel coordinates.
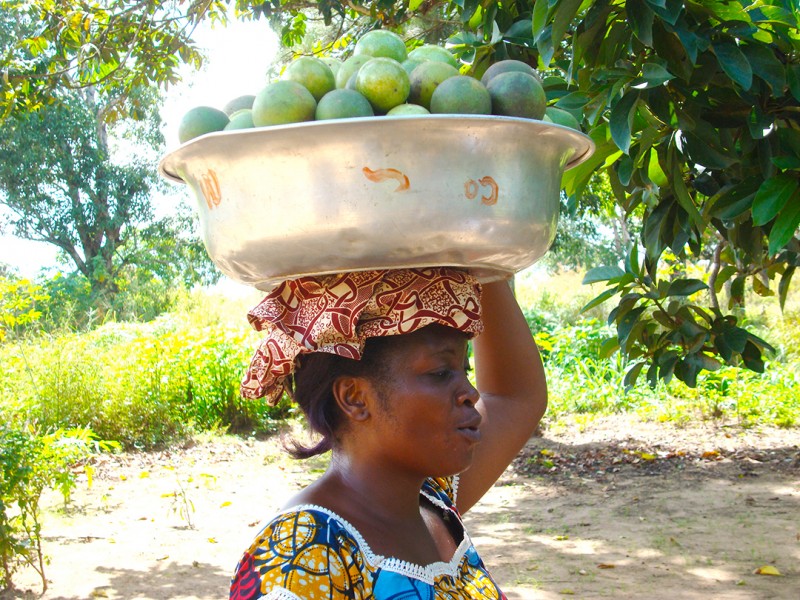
(693, 106)
(63, 182)
(20, 304)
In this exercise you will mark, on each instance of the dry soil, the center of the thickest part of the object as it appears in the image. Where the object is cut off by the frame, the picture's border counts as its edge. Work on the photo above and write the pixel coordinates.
(615, 508)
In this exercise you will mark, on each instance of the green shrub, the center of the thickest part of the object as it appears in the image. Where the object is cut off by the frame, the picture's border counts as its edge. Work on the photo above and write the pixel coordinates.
(582, 379)
(143, 384)
(29, 463)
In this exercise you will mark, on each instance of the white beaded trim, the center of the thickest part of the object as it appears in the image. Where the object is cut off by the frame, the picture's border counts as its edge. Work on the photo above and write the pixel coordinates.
(426, 574)
(281, 594)
(429, 573)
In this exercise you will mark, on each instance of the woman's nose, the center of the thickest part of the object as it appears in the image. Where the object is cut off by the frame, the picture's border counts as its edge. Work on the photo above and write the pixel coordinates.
(468, 394)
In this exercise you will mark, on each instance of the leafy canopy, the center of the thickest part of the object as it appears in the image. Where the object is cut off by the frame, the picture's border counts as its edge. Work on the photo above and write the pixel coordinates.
(71, 179)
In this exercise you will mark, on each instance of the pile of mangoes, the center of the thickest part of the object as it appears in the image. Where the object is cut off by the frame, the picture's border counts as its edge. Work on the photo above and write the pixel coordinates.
(381, 78)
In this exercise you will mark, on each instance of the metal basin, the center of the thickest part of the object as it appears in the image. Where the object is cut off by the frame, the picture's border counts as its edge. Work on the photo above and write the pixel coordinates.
(378, 193)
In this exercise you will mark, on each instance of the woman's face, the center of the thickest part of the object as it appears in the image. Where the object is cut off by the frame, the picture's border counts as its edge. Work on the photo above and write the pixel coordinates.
(425, 420)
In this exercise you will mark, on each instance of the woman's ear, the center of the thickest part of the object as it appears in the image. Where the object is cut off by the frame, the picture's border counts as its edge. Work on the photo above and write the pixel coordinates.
(352, 397)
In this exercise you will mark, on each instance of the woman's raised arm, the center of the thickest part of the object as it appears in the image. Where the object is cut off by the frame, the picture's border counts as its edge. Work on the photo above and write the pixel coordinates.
(513, 392)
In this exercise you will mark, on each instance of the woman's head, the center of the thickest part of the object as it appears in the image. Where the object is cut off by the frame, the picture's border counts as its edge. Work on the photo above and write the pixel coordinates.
(408, 401)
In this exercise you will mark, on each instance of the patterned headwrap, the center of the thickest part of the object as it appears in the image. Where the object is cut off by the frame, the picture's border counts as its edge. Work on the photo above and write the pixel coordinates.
(337, 313)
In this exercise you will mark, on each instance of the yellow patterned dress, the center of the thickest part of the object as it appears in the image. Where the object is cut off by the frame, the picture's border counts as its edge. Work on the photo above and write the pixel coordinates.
(310, 553)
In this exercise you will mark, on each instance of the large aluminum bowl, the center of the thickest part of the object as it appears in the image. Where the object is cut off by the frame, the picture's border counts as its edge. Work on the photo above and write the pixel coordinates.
(378, 193)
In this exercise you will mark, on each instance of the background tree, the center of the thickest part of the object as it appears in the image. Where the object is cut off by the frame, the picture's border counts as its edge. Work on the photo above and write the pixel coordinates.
(593, 232)
(693, 107)
(71, 178)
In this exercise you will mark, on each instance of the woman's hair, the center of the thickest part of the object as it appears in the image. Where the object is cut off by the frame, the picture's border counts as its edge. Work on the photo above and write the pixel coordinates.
(312, 388)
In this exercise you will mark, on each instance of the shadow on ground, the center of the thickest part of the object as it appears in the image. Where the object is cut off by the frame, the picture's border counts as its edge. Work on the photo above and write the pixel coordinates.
(168, 580)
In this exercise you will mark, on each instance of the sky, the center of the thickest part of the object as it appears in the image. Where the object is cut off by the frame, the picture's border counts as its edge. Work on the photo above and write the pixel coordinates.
(239, 57)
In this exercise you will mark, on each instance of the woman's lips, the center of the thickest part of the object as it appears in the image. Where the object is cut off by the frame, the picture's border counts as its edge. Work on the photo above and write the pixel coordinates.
(473, 434)
(470, 428)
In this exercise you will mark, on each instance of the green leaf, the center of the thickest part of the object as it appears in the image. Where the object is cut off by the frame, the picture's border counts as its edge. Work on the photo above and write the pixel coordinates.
(663, 319)
(683, 197)
(668, 10)
(632, 375)
(632, 261)
(544, 43)
(654, 171)
(760, 123)
(722, 10)
(655, 75)
(778, 14)
(573, 101)
(414, 4)
(736, 338)
(793, 79)
(599, 299)
(666, 366)
(751, 356)
(608, 347)
(705, 362)
(686, 370)
(685, 287)
(767, 66)
(625, 168)
(640, 18)
(653, 223)
(520, 32)
(737, 290)
(565, 12)
(786, 224)
(603, 273)
(621, 120)
(724, 275)
(539, 18)
(703, 153)
(696, 343)
(734, 63)
(783, 286)
(733, 201)
(786, 163)
(627, 322)
(691, 42)
(761, 344)
(772, 196)
(468, 9)
(760, 288)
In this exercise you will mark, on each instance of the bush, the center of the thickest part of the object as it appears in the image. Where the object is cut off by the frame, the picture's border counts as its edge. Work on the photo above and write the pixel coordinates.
(143, 384)
(583, 379)
(29, 463)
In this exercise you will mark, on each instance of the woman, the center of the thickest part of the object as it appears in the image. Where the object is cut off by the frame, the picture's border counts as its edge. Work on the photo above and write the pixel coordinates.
(379, 365)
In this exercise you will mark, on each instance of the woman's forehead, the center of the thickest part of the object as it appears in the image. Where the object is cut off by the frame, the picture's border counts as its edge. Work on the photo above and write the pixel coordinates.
(433, 339)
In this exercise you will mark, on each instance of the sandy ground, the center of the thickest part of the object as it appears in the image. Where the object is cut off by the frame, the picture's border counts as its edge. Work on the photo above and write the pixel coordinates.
(613, 509)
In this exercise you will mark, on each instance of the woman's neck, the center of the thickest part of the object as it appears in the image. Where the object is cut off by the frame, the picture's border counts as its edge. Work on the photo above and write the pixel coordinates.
(386, 495)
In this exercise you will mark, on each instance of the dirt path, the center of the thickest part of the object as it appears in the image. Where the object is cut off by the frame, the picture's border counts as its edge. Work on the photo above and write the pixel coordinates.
(618, 509)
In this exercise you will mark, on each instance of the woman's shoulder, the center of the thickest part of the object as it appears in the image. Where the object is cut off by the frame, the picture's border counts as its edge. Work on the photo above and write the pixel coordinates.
(295, 543)
(295, 528)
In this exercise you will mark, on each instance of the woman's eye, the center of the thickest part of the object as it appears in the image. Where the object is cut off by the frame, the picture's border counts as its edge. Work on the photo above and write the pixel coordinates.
(441, 374)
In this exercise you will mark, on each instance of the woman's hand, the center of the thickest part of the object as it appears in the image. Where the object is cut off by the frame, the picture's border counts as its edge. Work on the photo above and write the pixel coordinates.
(510, 378)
